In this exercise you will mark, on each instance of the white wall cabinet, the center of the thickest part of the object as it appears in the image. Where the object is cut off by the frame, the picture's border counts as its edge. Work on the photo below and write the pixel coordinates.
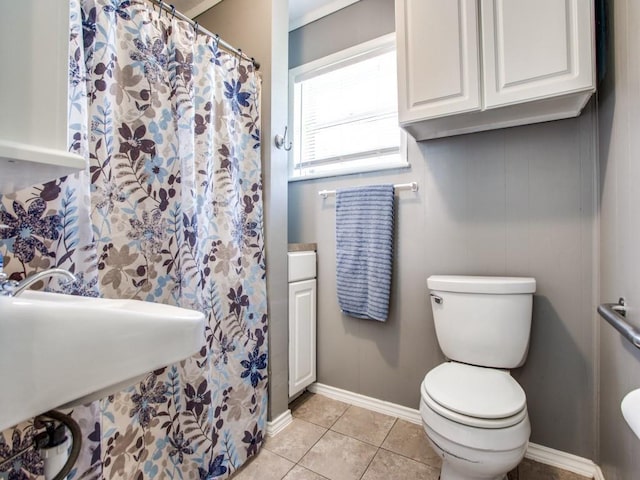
(439, 57)
(34, 81)
(472, 65)
(302, 320)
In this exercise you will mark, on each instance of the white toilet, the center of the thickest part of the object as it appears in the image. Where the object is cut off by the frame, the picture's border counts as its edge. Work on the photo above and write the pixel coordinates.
(474, 412)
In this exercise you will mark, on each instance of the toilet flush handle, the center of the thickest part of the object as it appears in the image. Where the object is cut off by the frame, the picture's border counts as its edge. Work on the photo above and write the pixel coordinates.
(437, 299)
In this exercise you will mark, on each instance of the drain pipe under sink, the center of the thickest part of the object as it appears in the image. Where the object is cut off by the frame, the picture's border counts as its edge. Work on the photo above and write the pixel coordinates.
(53, 444)
(58, 459)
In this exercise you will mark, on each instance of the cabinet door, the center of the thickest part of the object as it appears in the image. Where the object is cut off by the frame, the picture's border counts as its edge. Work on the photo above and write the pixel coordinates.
(302, 335)
(34, 94)
(437, 44)
(534, 49)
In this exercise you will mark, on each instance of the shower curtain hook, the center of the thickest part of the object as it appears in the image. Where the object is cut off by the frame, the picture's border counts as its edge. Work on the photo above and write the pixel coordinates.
(239, 59)
(195, 28)
(160, 8)
(217, 41)
(173, 12)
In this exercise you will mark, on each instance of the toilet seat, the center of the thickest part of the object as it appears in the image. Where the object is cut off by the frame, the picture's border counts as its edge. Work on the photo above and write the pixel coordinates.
(496, 423)
(474, 396)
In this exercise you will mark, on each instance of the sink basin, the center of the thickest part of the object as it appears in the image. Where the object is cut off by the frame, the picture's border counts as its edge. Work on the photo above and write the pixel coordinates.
(631, 410)
(61, 350)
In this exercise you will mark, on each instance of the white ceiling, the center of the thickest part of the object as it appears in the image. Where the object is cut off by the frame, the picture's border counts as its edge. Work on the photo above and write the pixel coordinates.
(301, 12)
(193, 8)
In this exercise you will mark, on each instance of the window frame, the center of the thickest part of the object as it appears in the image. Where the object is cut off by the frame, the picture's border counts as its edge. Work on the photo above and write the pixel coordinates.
(326, 64)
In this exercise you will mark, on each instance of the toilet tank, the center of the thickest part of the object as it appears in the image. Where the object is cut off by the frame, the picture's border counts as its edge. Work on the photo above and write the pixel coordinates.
(483, 321)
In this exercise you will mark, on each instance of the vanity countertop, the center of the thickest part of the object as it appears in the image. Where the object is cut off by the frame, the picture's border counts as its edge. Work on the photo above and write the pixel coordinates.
(303, 247)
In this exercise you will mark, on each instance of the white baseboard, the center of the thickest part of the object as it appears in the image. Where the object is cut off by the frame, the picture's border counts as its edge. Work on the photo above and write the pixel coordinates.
(548, 456)
(565, 461)
(598, 475)
(405, 413)
(279, 423)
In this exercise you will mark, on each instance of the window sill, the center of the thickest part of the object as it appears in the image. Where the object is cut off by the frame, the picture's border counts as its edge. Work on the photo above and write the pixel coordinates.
(391, 166)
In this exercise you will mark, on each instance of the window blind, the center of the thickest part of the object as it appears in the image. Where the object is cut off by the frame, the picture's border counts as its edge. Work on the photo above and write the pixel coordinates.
(347, 115)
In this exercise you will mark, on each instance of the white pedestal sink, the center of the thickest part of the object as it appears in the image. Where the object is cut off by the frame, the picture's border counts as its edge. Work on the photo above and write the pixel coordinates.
(61, 350)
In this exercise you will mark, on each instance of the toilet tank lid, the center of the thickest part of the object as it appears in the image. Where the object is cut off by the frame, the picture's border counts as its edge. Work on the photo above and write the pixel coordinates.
(476, 284)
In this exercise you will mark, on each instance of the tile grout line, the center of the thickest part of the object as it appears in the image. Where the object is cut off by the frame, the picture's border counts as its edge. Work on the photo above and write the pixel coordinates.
(306, 451)
(310, 448)
(314, 444)
(330, 429)
(398, 453)
(395, 421)
(326, 429)
(369, 464)
(378, 448)
(341, 415)
(292, 467)
(408, 458)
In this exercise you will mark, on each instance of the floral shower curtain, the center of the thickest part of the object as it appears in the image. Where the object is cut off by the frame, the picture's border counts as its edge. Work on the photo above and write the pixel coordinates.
(170, 211)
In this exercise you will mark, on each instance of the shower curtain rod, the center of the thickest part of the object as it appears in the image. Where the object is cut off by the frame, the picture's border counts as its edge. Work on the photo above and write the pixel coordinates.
(171, 10)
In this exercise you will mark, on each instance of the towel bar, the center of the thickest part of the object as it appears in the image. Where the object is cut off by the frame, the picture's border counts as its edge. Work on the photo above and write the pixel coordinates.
(614, 313)
(413, 186)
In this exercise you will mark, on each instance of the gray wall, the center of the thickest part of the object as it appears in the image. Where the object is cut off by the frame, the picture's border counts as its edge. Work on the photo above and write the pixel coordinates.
(518, 201)
(260, 29)
(362, 21)
(619, 127)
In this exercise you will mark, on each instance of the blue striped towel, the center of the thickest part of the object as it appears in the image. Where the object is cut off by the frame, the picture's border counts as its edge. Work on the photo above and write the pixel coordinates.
(364, 250)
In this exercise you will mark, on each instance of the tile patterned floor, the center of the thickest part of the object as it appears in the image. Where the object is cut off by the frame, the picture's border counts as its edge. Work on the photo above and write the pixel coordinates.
(331, 440)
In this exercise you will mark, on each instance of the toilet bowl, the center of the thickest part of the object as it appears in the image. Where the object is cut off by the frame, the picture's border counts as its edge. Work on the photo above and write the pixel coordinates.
(477, 433)
(473, 411)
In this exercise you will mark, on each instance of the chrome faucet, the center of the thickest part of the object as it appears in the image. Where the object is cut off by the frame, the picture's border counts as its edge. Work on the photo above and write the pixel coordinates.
(12, 288)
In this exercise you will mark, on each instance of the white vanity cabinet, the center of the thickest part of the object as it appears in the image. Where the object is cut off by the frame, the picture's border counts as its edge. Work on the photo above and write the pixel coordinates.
(302, 320)
(34, 80)
(472, 65)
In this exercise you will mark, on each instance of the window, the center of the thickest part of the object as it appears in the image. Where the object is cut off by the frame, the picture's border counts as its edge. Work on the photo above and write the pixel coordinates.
(344, 112)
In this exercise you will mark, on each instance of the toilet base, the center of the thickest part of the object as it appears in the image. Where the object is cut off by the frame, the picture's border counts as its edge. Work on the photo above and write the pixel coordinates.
(449, 473)
(471, 464)
(470, 453)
